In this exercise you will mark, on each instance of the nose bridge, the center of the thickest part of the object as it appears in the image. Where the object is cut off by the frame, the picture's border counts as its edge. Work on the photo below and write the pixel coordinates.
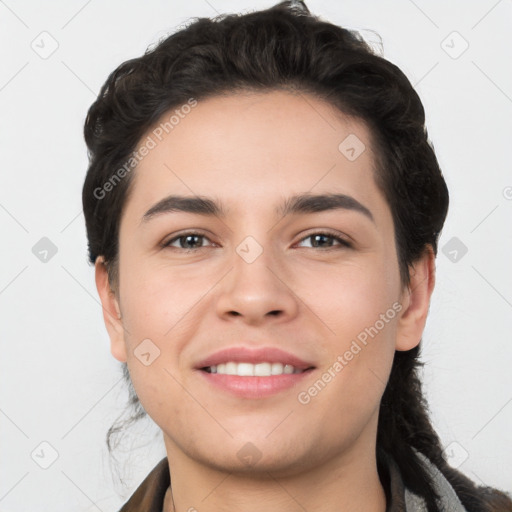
(254, 289)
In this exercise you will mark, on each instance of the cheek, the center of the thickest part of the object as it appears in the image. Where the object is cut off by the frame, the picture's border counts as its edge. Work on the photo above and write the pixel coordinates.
(352, 298)
(360, 307)
(159, 309)
(156, 302)
(155, 320)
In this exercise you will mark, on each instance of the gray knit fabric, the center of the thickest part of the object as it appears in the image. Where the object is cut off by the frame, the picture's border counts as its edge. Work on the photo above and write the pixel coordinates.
(449, 500)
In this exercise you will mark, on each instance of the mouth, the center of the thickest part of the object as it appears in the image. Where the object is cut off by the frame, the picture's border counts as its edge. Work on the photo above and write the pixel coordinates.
(253, 362)
(255, 373)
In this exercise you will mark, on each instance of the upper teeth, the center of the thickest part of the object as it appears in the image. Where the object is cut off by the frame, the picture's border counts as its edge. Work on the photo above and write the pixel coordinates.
(253, 370)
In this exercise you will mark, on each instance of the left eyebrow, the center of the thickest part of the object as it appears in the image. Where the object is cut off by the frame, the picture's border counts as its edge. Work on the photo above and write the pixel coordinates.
(297, 204)
(311, 203)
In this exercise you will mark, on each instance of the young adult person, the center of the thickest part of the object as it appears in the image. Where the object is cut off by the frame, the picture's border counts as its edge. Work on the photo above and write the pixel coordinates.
(263, 208)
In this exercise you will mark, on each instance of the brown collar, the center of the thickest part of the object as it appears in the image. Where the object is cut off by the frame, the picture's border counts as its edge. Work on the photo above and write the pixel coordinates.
(149, 496)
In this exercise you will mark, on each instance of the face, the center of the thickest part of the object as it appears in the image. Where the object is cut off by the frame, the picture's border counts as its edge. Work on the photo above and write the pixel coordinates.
(318, 281)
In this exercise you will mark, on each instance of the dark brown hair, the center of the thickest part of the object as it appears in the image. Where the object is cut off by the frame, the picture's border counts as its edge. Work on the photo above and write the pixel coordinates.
(286, 47)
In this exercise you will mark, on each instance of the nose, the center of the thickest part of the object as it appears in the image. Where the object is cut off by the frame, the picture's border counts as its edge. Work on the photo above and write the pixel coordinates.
(258, 291)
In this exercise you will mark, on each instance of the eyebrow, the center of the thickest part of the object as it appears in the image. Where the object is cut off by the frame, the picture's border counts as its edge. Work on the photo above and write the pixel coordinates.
(297, 204)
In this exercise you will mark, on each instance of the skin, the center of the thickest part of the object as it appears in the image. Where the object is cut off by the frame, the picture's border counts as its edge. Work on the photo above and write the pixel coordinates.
(251, 151)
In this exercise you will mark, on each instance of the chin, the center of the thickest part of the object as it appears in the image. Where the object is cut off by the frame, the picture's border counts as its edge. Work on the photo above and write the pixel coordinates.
(254, 457)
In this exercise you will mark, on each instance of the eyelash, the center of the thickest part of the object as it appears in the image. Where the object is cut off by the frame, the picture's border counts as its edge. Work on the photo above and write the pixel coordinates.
(344, 244)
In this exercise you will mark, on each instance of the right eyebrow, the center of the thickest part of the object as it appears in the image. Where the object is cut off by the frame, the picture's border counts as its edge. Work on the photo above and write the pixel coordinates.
(189, 204)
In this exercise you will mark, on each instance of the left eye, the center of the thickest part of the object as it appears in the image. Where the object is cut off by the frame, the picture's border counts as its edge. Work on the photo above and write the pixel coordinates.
(319, 239)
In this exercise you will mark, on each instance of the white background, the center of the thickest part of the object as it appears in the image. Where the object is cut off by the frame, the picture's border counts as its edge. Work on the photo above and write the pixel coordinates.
(59, 382)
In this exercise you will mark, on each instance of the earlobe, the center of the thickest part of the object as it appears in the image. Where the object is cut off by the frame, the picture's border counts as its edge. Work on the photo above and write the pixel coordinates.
(111, 311)
(416, 301)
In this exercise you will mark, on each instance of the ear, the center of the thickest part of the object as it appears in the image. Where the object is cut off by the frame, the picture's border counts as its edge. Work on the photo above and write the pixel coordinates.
(416, 301)
(111, 311)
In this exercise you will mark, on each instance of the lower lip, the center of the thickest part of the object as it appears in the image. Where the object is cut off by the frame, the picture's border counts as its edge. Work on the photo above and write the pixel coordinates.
(254, 387)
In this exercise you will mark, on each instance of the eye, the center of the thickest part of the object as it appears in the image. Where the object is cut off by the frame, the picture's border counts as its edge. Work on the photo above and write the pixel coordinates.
(319, 240)
(187, 241)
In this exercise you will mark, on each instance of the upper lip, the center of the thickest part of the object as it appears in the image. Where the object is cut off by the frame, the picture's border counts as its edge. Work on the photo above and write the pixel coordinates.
(254, 356)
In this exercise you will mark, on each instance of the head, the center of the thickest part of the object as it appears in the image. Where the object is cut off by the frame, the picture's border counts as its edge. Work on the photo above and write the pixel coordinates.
(250, 111)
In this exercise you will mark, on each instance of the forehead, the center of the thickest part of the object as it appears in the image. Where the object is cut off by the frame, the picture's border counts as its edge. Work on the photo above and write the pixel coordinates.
(253, 150)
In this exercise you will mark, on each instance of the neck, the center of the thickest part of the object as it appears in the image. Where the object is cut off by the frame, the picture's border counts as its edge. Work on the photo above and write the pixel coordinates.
(347, 482)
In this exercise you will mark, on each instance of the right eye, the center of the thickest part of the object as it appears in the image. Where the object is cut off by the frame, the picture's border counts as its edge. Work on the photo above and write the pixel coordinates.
(185, 239)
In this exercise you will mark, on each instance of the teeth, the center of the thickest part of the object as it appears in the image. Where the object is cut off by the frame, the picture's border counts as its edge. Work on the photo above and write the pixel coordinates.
(276, 369)
(253, 370)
